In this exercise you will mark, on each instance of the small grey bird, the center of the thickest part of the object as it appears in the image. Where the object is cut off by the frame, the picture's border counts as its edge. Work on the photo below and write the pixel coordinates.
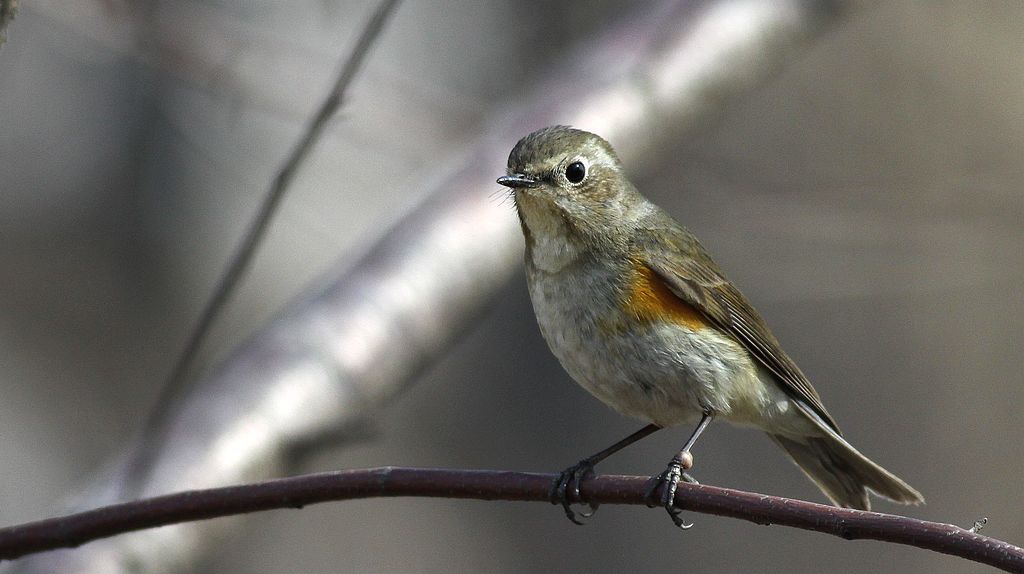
(639, 314)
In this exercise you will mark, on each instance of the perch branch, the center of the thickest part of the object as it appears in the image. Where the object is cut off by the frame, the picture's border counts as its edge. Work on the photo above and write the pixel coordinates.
(295, 492)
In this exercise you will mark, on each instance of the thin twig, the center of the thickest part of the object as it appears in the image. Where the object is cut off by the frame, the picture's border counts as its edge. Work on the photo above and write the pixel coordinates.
(8, 8)
(296, 492)
(177, 380)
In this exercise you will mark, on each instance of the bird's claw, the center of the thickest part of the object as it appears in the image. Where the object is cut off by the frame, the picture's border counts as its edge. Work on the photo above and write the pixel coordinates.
(670, 478)
(569, 482)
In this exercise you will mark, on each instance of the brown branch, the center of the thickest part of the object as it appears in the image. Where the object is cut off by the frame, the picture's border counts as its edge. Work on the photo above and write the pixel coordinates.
(296, 492)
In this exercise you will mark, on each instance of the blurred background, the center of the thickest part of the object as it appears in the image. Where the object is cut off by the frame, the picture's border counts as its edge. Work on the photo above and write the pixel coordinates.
(867, 198)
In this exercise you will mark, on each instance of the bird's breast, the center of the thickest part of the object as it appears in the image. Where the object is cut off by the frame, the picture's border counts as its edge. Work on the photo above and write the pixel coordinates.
(623, 336)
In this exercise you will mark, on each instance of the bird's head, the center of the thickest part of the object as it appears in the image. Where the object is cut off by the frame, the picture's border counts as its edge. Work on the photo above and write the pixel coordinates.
(566, 180)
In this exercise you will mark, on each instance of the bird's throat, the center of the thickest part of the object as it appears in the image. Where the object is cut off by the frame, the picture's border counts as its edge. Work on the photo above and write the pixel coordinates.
(551, 243)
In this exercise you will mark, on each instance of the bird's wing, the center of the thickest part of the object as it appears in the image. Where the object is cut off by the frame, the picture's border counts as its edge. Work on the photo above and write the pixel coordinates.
(698, 281)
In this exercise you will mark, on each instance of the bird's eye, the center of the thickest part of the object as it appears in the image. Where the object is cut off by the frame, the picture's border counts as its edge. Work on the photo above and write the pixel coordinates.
(575, 172)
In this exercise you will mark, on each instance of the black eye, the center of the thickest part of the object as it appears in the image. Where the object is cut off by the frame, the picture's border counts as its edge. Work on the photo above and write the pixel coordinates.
(575, 172)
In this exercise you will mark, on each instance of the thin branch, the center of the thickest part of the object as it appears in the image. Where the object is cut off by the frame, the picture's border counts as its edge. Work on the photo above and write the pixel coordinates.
(177, 380)
(8, 8)
(296, 492)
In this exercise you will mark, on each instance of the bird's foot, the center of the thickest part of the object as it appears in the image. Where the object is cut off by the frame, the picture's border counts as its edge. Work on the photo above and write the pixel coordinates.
(566, 490)
(670, 479)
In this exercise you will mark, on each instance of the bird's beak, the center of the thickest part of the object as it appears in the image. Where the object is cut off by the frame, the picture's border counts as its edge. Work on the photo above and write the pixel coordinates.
(517, 180)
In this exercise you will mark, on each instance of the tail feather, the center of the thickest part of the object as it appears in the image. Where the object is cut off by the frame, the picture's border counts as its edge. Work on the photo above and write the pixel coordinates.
(844, 474)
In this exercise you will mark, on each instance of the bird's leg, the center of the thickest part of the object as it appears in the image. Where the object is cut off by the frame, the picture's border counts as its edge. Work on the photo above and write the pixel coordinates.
(570, 478)
(675, 472)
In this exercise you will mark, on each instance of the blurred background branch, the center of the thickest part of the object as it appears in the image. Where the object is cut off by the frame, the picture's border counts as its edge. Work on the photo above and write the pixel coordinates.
(150, 437)
(8, 8)
(300, 491)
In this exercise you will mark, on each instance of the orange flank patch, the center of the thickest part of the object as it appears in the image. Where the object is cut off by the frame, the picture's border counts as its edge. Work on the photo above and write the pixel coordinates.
(649, 299)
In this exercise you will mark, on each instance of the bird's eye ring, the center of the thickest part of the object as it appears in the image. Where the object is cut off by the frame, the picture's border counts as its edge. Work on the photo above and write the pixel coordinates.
(575, 172)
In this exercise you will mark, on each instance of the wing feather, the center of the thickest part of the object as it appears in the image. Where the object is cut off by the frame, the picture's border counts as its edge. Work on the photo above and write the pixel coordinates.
(698, 281)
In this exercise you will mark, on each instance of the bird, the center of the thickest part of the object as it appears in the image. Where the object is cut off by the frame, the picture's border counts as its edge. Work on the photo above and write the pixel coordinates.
(638, 313)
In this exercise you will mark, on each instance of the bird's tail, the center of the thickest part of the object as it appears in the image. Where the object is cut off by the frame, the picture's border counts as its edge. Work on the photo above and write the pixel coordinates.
(844, 474)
